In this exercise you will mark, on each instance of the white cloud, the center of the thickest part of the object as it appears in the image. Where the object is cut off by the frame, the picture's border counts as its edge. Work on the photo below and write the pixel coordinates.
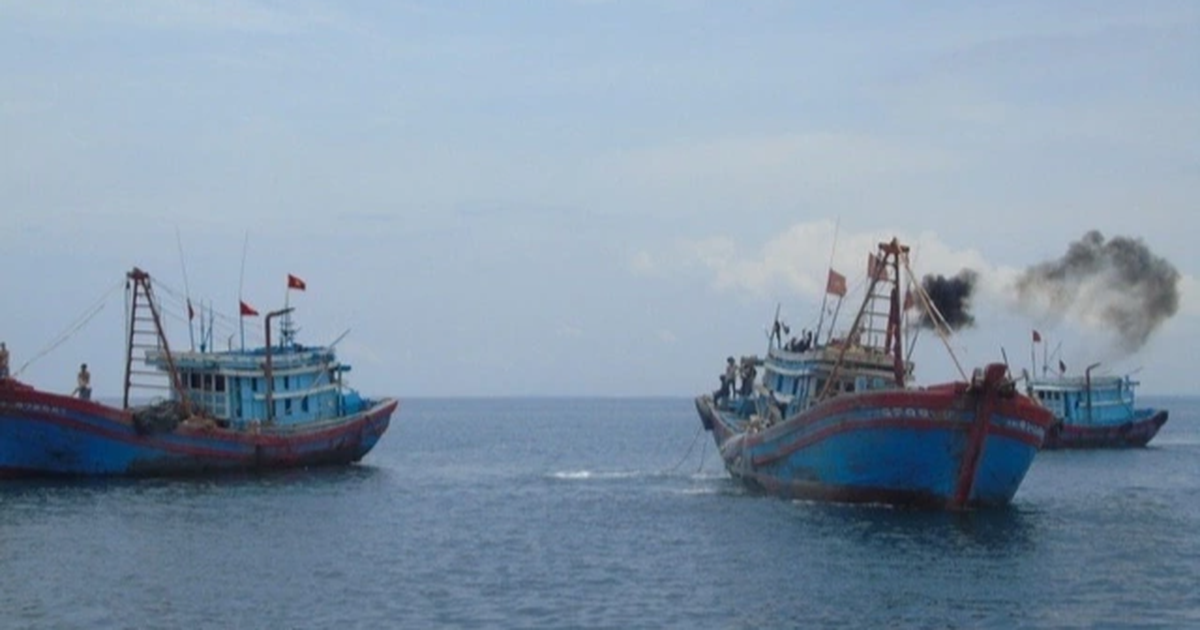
(643, 264)
(796, 260)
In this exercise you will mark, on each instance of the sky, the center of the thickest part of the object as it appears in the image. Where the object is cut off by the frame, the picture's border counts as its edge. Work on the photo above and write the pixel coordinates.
(583, 198)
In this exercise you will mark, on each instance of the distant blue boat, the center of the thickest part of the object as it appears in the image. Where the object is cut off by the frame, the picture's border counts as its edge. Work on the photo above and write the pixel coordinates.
(1095, 411)
(277, 406)
(837, 420)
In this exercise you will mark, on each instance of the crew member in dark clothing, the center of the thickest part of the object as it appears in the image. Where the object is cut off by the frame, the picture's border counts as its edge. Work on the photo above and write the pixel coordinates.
(728, 380)
(749, 372)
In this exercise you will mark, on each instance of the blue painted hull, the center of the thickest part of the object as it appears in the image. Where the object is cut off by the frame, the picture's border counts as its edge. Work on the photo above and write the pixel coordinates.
(43, 434)
(940, 447)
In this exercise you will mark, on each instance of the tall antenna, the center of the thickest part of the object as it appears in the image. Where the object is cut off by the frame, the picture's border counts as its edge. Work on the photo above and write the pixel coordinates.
(187, 291)
(825, 293)
(241, 281)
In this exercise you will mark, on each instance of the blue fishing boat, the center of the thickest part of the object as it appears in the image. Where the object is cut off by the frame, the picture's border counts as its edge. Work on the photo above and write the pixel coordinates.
(1095, 411)
(837, 420)
(277, 406)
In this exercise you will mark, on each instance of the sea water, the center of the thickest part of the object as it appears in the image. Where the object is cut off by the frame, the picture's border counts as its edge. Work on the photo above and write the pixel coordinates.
(599, 513)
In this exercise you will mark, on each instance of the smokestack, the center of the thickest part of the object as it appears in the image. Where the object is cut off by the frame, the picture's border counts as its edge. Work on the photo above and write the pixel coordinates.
(1118, 285)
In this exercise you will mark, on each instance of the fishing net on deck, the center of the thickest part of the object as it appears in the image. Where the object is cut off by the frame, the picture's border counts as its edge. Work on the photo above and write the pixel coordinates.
(162, 417)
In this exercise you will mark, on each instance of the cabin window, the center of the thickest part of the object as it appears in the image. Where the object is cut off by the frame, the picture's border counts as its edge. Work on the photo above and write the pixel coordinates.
(219, 383)
(304, 404)
(286, 382)
(254, 385)
(193, 380)
(287, 407)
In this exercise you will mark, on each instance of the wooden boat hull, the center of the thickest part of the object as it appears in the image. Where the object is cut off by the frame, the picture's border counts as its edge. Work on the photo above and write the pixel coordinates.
(950, 446)
(1133, 433)
(45, 434)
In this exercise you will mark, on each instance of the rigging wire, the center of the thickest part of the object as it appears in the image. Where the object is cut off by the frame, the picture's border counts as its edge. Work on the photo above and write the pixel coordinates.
(939, 322)
(75, 326)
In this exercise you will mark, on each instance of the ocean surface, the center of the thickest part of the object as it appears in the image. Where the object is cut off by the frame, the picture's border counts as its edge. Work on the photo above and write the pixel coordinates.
(599, 513)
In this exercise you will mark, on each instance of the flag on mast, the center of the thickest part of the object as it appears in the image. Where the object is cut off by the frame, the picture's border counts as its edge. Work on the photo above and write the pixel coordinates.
(836, 284)
(296, 283)
(247, 310)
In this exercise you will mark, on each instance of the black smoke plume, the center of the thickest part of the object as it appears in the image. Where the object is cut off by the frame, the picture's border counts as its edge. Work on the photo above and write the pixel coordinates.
(1118, 284)
(952, 297)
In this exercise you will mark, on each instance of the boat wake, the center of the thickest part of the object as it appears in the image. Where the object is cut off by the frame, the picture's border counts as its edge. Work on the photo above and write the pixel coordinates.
(587, 475)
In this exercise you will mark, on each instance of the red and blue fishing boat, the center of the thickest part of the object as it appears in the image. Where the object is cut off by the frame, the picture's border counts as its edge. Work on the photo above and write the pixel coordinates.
(277, 406)
(837, 420)
(1095, 411)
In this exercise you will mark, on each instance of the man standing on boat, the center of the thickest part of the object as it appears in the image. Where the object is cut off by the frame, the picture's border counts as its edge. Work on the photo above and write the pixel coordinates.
(3, 360)
(749, 373)
(84, 383)
(728, 380)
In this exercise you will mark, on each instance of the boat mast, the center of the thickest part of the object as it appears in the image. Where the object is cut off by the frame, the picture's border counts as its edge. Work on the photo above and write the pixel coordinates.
(138, 282)
(890, 255)
(893, 340)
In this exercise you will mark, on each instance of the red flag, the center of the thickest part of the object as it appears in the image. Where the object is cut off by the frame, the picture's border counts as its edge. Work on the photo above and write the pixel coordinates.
(191, 313)
(248, 311)
(836, 284)
(295, 283)
(1037, 338)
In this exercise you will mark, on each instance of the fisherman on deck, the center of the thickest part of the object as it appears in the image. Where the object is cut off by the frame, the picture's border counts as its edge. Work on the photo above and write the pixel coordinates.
(84, 383)
(3, 360)
(749, 372)
(728, 380)
(778, 331)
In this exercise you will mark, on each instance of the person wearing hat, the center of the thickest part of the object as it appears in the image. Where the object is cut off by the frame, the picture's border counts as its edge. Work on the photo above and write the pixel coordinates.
(84, 383)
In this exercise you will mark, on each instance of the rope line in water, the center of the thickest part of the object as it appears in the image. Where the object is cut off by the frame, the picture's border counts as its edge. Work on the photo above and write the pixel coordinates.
(689, 450)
